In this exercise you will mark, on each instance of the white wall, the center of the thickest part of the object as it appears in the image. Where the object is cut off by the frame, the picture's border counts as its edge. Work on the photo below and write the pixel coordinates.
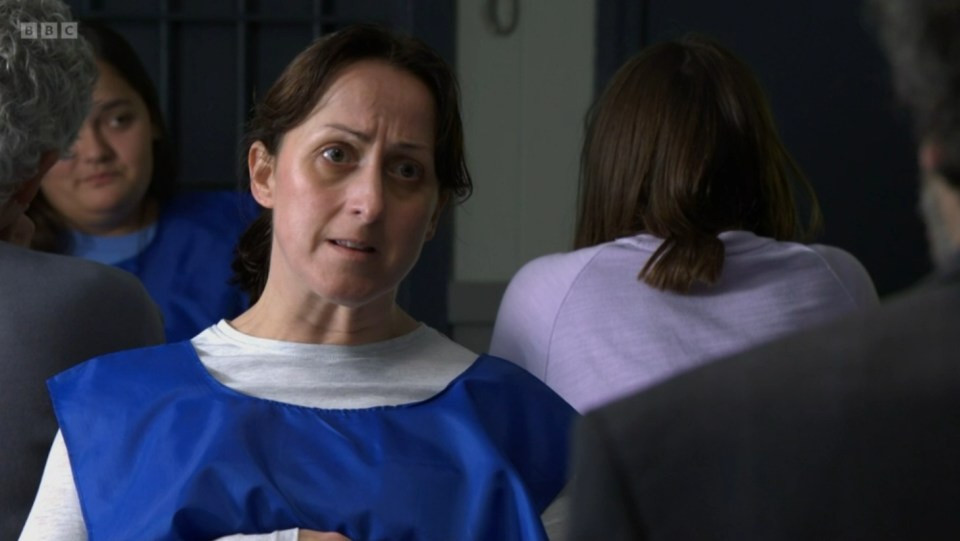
(524, 98)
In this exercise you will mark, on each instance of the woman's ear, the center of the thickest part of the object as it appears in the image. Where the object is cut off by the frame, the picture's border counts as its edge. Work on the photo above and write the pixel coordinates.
(260, 164)
(929, 156)
(437, 212)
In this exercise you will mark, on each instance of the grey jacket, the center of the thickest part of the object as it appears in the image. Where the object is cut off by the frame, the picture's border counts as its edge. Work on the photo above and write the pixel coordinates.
(55, 311)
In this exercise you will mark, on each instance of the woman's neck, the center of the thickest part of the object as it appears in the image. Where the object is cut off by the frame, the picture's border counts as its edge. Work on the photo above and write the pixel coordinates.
(129, 222)
(325, 323)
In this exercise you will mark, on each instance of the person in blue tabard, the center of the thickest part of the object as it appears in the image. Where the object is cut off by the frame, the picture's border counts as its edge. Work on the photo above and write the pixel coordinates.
(324, 411)
(114, 200)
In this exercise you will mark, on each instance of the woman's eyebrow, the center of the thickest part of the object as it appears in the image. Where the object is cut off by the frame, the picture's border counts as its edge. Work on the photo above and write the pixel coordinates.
(101, 106)
(366, 138)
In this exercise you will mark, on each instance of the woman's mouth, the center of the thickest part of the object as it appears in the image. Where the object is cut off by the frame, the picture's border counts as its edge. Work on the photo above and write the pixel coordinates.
(101, 177)
(353, 245)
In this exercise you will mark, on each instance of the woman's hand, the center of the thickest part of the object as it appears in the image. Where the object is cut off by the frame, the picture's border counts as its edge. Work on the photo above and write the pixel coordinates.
(310, 535)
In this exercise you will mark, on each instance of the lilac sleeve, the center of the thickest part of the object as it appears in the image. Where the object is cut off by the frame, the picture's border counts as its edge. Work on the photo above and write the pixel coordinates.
(525, 320)
(852, 275)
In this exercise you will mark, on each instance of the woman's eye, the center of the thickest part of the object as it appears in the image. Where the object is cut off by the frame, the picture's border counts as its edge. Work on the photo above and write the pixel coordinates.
(335, 154)
(408, 170)
(119, 121)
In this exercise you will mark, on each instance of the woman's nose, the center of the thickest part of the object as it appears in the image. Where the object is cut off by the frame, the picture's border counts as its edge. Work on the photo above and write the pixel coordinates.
(91, 145)
(366, 193)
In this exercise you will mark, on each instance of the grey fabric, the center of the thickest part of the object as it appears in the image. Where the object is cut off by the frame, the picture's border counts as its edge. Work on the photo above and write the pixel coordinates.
(55, 311)
(850, 431)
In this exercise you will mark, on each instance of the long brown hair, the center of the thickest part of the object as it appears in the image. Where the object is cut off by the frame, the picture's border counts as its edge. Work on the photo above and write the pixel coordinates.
(302, 85)
(682, 145)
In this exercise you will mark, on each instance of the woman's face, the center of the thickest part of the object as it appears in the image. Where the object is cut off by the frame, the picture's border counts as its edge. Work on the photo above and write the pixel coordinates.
(100, 188)
(353, 189)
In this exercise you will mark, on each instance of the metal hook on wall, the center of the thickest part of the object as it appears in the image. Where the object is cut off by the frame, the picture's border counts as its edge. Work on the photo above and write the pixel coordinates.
(491, 15)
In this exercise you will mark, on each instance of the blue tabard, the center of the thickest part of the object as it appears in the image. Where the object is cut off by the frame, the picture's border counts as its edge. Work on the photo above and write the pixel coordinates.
(186, 267)
(162, 451)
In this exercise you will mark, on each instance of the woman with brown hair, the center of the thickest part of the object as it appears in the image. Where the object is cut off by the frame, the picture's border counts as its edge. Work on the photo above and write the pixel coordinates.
(324, 407)
(115, 199)
(687, 241)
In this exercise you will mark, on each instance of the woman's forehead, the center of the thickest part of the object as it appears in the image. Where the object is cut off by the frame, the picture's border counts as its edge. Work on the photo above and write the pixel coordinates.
(368, 94)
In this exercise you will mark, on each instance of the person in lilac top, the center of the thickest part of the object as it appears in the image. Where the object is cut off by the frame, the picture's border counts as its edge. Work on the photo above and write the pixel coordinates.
(689, 241)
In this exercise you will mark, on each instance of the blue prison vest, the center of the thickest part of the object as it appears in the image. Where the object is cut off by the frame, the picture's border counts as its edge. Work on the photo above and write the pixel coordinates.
(186, 268)
(162, 451)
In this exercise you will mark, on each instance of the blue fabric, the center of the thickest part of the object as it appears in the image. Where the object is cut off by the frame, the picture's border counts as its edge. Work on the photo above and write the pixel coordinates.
(161, 451)
(186, 268)
(113, 249)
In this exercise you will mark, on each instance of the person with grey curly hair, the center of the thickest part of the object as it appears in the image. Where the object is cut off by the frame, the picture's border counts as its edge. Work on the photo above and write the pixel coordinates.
(919, 39)
(844, 432)
(55, 311)
(47, 85)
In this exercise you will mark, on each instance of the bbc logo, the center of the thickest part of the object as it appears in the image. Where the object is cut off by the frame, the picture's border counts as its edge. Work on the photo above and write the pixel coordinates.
(44, 30)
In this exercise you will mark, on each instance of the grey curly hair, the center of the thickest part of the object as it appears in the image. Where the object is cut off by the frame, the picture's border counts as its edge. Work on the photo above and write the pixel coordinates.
(45, 90)
(921, 39)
